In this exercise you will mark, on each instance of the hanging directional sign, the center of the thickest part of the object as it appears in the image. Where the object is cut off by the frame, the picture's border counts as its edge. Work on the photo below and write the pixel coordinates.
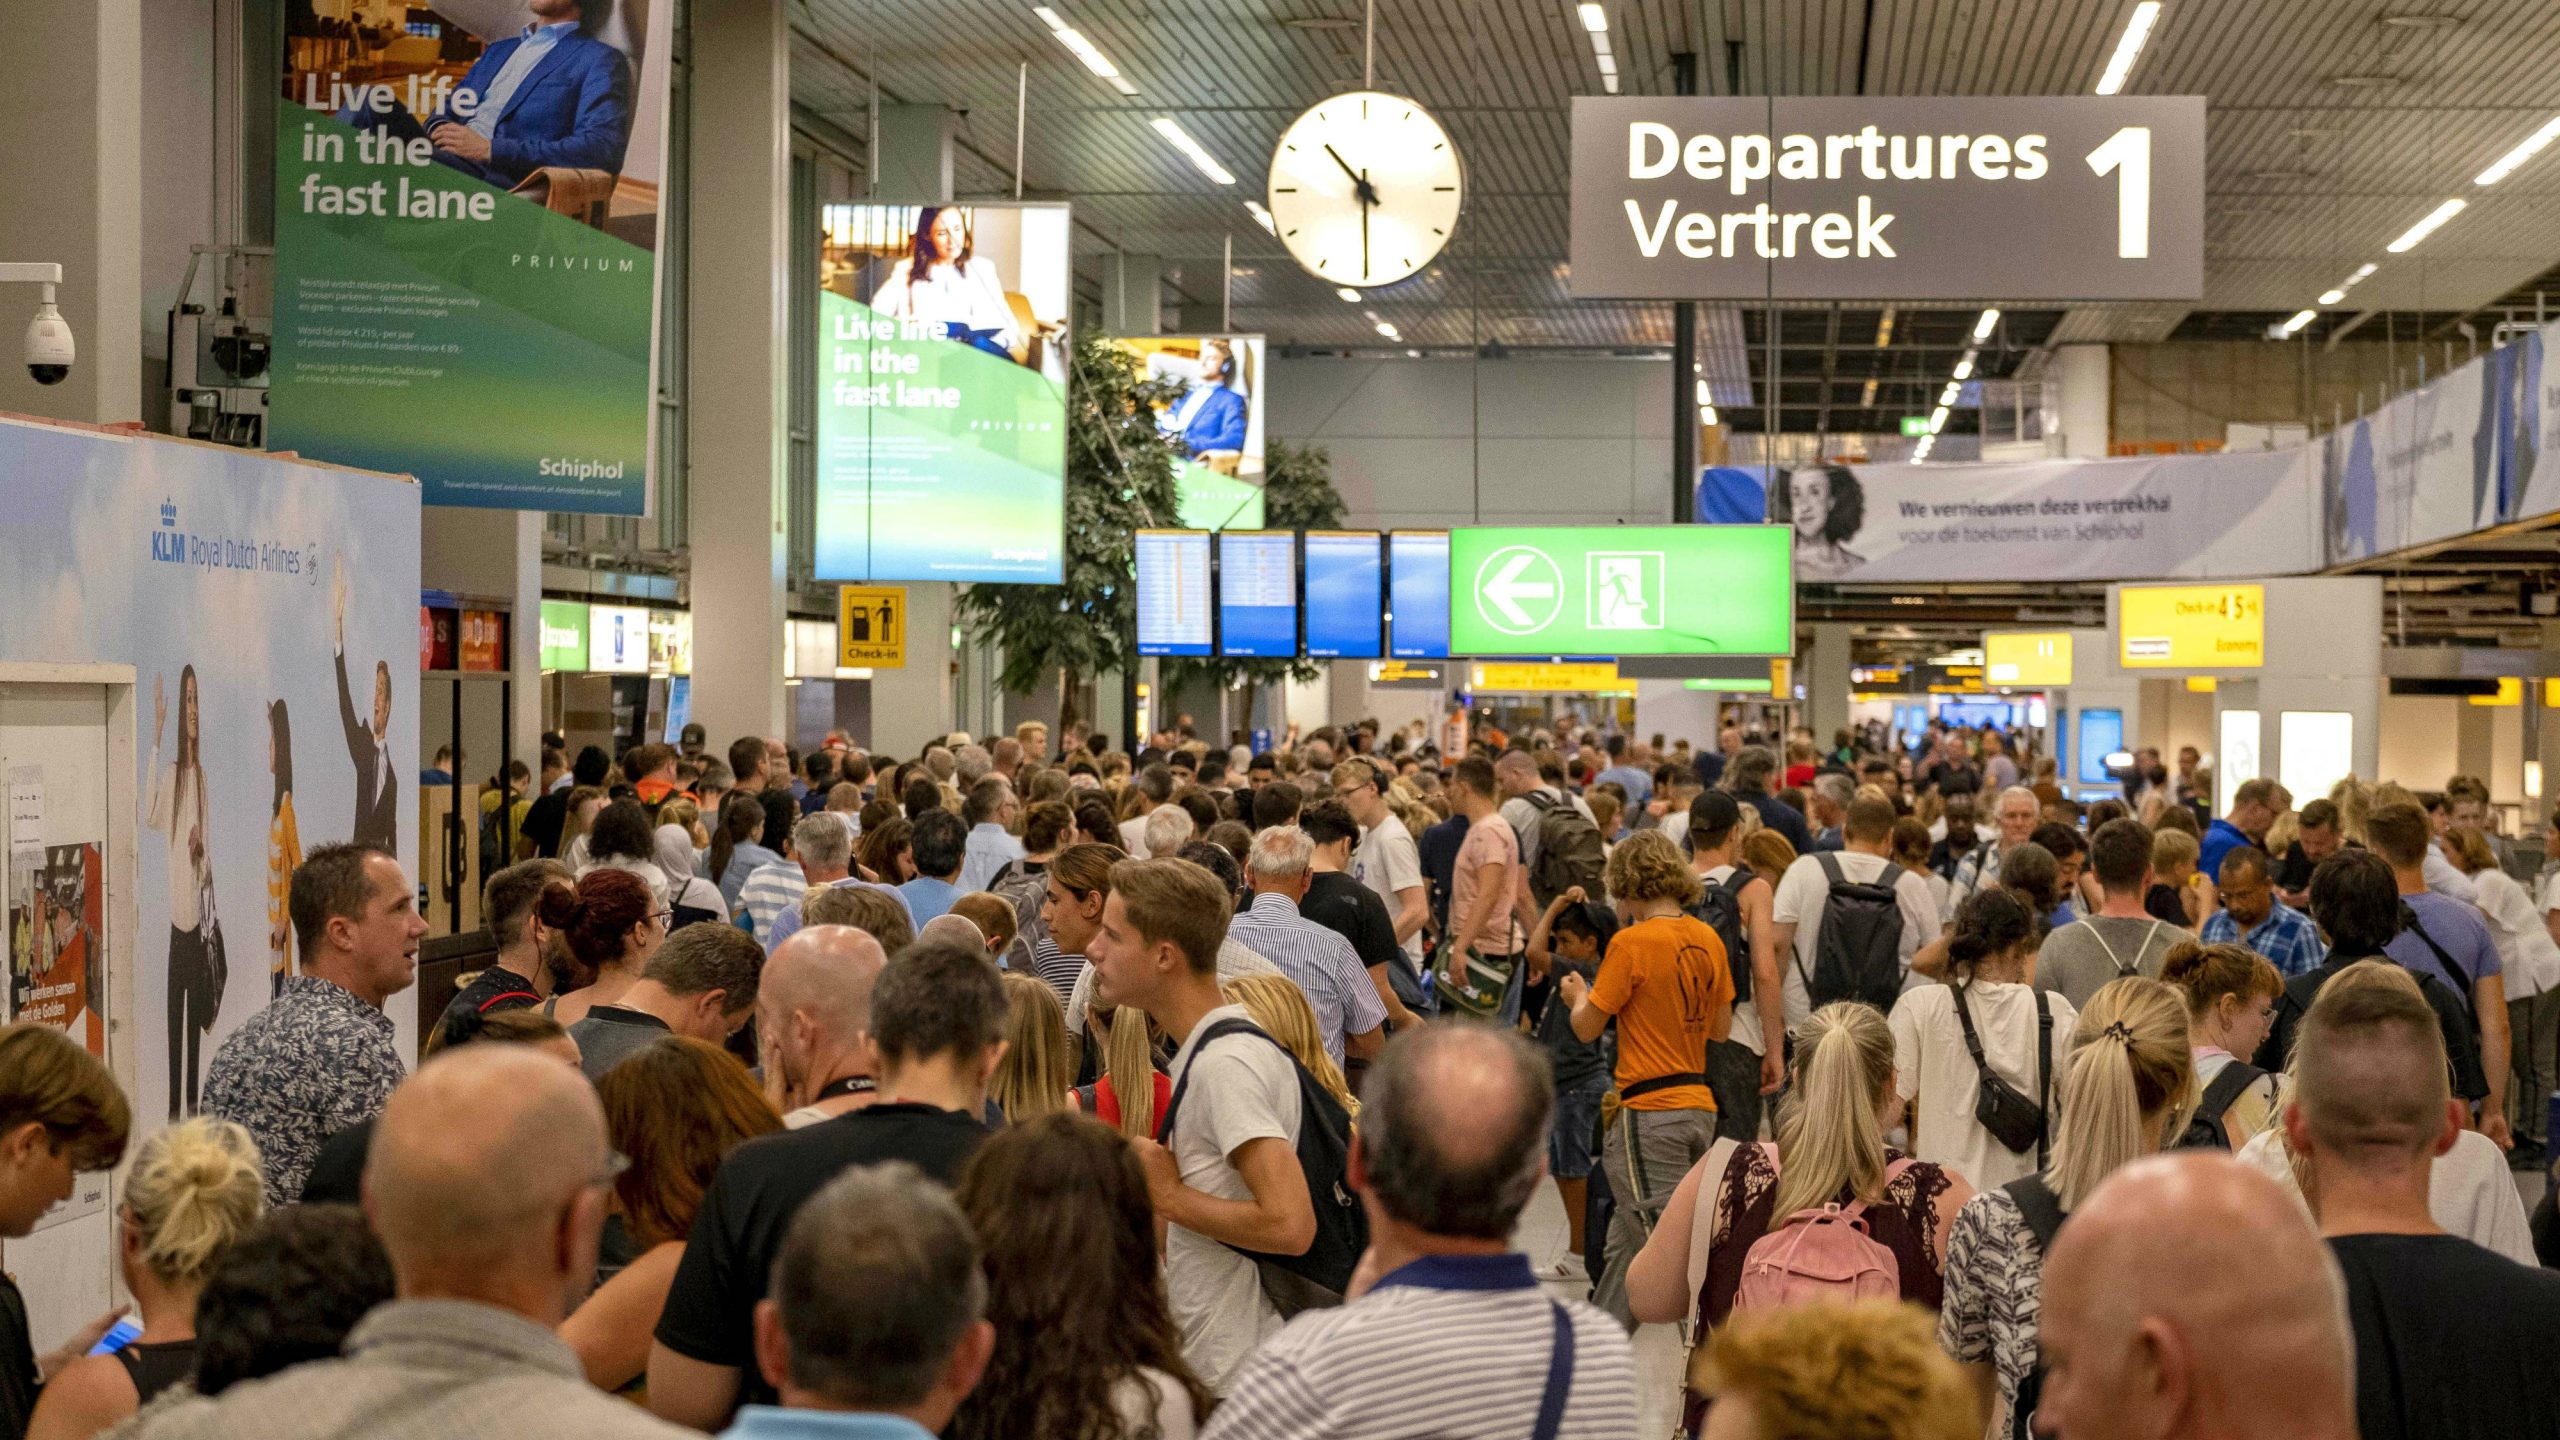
(871, 626)
(1622, 590)
(1947, 197)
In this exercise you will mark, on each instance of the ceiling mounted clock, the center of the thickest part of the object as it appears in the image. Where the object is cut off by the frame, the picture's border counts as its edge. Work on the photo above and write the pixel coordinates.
(1365, 188)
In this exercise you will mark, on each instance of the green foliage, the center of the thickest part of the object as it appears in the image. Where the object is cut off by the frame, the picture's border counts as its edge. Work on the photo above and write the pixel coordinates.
(1119, 480)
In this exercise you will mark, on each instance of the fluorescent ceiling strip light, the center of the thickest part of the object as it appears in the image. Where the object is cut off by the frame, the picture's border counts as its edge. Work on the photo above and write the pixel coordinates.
(2513, 160)
(1084, 50)
(1388, 330)
(1964, 367)
(1948, 395)
(1351, 296)
(1706, 398)
(2300, 319)
(2137, 29)
(1180, 139)
(1982, 327)
(2332, 297)
(2409, 238)
(1937, 419)
(1261, 217)
(1595, 18)
(1707, 416)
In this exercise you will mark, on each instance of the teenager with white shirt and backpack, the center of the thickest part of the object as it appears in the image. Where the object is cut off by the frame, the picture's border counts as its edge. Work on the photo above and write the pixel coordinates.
(1827, 1210)
(2131, 1078)
(1980, 1057)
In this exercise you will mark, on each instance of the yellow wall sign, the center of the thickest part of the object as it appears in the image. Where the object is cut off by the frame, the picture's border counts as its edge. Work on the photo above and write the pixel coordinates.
(2027, 657)
(871, 626)
(2192, 627)
(1509, 676)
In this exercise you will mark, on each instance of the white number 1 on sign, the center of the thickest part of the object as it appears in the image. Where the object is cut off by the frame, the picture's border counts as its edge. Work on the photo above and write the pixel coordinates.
(2127, 155)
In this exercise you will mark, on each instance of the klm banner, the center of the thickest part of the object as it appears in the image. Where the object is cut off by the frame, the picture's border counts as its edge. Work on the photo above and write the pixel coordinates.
(467, 225)
(2154, 518)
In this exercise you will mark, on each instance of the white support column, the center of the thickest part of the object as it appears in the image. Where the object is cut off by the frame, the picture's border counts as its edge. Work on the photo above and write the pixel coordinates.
(1826, 682)
(2082, 373)
(738, 416)
(494, 555)
(71, 194)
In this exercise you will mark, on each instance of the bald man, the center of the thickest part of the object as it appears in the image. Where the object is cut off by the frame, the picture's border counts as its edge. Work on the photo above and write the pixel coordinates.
(813, 1018)
(2186, 1300)
(491, 1228)
(1444, 1317)
(2452, 1340)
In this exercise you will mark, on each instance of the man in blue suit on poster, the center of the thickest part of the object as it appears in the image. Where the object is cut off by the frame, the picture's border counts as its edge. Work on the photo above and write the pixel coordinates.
(1211, 419)
(552, 95)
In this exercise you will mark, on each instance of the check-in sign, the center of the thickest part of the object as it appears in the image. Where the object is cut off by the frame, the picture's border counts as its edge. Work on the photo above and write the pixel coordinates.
(1844, 197)
(2191, 627)
(1622, 590)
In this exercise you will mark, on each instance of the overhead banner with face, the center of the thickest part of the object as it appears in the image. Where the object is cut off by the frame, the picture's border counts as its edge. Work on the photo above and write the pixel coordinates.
(467, 223)
(1842, 197)
(942, 393)
(2152, 518)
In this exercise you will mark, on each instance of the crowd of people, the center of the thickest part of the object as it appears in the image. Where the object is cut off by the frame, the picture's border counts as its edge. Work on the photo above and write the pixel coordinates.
(1019, 1090)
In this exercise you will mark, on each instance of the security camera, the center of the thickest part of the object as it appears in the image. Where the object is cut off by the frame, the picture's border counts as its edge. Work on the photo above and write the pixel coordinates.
(49, 348)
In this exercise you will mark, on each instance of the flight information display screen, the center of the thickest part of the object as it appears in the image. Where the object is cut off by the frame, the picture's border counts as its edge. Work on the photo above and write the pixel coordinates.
(1418, 565)
(1258, 594)
(1174, 603)
(1344, 589)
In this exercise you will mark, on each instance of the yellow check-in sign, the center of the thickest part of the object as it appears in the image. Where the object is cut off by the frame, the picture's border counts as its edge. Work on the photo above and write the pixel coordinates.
(871, 626)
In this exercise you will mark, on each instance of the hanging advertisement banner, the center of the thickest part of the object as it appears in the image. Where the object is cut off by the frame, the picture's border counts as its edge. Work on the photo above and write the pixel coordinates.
(2421, 468)
(1215, 415)
(2150, 518)
(467, 228)
(942, 393)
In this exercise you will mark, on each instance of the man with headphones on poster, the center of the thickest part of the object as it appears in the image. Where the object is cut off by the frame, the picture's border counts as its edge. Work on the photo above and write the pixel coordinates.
(1211, 419)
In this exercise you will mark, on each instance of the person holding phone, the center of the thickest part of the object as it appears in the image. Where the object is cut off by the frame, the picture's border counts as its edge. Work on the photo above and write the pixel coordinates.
(177, 811)
(193, 1190)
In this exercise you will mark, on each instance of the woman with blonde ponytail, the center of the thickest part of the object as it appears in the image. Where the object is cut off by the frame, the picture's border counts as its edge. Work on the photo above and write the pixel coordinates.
(1830, 1150)
(2125, 1093)
(194, 1189)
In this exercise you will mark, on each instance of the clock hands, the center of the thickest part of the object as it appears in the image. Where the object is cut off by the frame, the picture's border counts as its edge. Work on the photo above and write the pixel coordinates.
(1359, 180)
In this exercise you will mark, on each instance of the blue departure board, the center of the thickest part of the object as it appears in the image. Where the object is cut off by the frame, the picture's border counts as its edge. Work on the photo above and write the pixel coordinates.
(1174, 602)
(1258, 594)
(1345, 589)
(1419, 593)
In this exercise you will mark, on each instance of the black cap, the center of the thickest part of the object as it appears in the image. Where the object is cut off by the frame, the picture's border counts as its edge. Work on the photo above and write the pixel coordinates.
(1714, 810)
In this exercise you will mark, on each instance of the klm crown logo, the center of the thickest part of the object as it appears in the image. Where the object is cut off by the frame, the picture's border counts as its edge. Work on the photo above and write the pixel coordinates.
(167, 544)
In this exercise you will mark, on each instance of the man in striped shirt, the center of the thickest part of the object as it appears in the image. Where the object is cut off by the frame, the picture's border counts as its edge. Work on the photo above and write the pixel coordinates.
(1349, 1015)
(821, 854)
(1446, 1332)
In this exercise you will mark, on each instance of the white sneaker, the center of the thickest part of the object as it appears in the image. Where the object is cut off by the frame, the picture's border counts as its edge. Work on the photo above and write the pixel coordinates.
(1565, 1267)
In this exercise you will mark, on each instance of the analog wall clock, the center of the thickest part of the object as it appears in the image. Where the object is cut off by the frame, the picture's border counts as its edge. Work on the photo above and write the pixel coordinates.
(1365, 188)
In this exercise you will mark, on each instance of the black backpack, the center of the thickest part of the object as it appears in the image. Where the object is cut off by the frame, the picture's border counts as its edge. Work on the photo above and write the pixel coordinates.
(2043, 1211)
(1720, 910)
(2462, 1049)
(1569, 851)
(2204, 1130)
(1858, 955)
(1316, 1279)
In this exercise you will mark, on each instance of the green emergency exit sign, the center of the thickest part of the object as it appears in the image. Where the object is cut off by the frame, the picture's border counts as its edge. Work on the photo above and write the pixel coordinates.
(1915, 424)
(1622, 590)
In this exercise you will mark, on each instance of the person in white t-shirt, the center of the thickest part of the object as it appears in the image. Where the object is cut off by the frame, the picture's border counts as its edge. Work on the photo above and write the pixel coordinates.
(1228, 1178)
(2519, 926)
(1988, 954)
(1387, 860)
(1796, 912)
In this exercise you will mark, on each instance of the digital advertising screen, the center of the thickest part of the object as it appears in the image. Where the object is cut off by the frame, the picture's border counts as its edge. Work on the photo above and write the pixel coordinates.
(1418, 594)
(2101, 735)
(1344, 590)
(1174, 602)
(1211, 407)
(617, 640)
(942, 393)
(1258, 594)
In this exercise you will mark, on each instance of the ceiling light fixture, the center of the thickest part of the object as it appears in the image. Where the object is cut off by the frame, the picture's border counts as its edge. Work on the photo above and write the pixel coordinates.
(1948, 395)
(1964, 367)
(1180, 139)
(1707, 416)
(2300, 318)
(2332, 297)
(2410, 237)
(1349, 295)
(1595, 23)
(1982, 327)
(1261, 217)
(1388, 330)
(1706, 398)
(1937, 419)
(2509, 163)
(2137, 29)
(1084, 50)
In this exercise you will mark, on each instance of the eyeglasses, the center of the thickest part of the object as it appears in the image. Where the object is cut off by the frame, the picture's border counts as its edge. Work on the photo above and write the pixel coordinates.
(663, 918)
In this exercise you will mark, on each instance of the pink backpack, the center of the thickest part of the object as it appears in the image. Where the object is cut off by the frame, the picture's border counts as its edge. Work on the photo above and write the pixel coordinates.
(1822, 1254)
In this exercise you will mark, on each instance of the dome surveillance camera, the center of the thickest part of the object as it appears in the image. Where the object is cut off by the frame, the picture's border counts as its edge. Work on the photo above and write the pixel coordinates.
(49, 348)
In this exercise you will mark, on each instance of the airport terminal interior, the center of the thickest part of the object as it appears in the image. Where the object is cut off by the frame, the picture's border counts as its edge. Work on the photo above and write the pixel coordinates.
(1141, 719)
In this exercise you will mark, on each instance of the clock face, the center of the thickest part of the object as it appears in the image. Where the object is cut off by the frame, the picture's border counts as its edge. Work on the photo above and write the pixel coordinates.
(1365, 188)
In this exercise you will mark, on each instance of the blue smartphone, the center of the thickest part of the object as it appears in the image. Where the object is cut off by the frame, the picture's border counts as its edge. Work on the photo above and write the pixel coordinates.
(124, 1332)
